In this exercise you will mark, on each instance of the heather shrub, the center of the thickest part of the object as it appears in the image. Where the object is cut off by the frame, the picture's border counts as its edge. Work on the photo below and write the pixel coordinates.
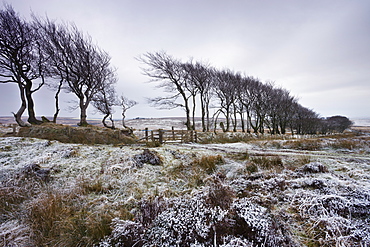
(254, 223)
(125, 233)
(186, 222)
(149, 157)
(218, 194)
(313, 167)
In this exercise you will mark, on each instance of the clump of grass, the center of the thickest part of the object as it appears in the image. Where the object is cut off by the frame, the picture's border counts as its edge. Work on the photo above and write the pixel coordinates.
(240, 156)
(251, 167)
(225, 138)
(153, 144)
(298, 162)
(60, 218)
(346, 144)
(95, 186)
(209, 163)
(268, 163)
(304, 144)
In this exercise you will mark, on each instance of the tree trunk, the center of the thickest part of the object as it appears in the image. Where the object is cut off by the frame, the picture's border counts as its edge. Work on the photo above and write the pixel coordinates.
(105, 124)
(203, 113)
(123, 120)
(193, 127)
(187, 110)
(18, 115)
(242, 121)
(112, 121)
(83, 116)
(57, 109)
(30, 104)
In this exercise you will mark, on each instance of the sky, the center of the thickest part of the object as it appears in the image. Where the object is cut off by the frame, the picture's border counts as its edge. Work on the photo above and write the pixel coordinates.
(319, 49)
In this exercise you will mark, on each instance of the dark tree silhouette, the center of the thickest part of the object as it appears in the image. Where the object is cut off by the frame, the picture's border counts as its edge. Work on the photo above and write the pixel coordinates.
(170, 72)
(75, 60)
(104, 101)
(338, 123)
(21, 60)
(125, 104)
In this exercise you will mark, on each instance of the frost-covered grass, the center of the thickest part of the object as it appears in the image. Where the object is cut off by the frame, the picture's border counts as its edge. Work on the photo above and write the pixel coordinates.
(259, 192)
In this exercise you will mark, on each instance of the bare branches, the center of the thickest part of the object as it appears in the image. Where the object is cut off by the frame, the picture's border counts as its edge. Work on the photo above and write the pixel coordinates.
(126, 104)
(21, 58)
(74, 59)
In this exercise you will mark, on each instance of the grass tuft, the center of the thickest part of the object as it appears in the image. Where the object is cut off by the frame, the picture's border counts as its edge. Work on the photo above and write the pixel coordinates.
(209, 163)
(268, 163)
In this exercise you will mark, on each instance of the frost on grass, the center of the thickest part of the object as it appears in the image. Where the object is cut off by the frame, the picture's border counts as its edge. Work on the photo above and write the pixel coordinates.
(312, 198)
(14, 234)
(199, 221)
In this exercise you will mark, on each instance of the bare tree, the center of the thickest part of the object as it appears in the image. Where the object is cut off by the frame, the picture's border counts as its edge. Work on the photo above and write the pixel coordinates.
(201, 77)
(105, 99)
(170, 72)
(74, 59)
(225, 93)
(21, 60)
(126, 104)
(338, 123)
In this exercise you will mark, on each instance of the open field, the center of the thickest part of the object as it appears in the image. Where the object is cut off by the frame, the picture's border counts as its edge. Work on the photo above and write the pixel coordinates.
(302, 191)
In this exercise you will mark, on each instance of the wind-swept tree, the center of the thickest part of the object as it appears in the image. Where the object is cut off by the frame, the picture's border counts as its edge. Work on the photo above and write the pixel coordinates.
(224, 90)
(126, 104)
(75, 60)
(201, 77)
(21, 60)
(105, 99)
(172, 77)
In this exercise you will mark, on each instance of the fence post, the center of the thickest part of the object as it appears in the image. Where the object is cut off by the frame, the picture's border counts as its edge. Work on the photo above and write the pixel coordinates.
(160, 133)
(152, 135)
(146, 134)
(173, 133)
(14, 129)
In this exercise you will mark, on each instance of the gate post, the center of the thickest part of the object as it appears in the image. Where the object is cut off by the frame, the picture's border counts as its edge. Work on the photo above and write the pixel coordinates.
(146, 134)
(160, 132)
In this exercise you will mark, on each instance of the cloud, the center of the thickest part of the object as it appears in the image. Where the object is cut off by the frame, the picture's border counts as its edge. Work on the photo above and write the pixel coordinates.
(315, 49)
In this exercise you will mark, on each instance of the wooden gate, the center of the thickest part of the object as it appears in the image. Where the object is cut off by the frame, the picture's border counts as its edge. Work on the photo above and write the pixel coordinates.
(170, 136)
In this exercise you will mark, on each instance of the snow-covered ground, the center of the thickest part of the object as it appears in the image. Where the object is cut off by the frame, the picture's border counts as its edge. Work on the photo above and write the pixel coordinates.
(259, 193)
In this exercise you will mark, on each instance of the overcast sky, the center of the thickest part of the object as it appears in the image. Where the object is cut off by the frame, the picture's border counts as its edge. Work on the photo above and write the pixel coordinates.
(317, 49)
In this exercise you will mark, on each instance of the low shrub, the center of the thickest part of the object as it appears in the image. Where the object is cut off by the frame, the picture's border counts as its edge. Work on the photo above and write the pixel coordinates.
(148, 156)
(313, 167)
